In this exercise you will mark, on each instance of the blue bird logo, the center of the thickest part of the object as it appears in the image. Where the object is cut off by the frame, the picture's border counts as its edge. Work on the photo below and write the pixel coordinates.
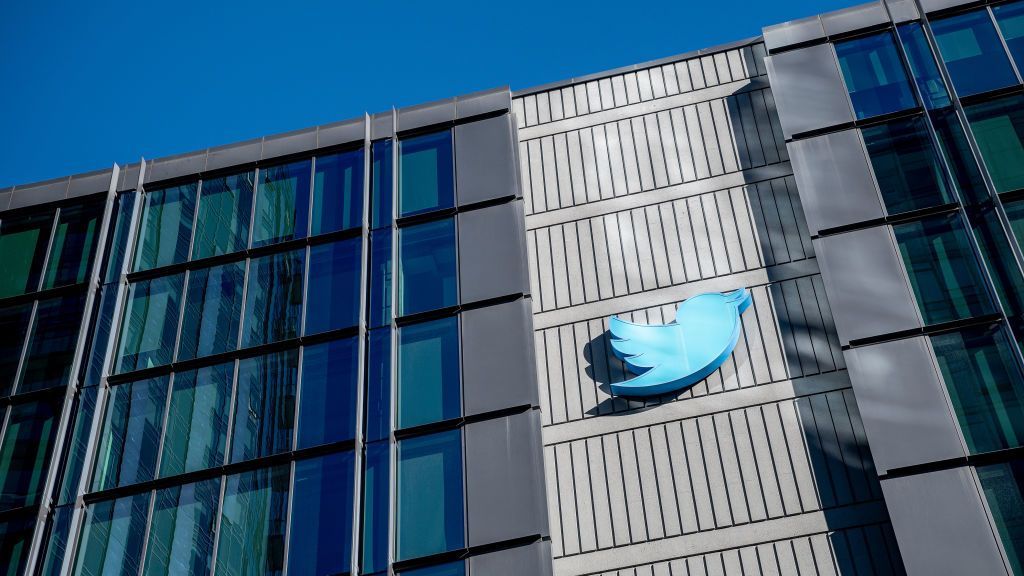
(670, 357)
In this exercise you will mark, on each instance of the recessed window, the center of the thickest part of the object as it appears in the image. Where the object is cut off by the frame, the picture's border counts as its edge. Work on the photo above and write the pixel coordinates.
(130, 440)
(253, 521)
(197, 420)
(25, 452)
(429, 495)
(906, 165)
(428, 372)
(923, 66)
(166, 229)
(426, 171)
(998, 127)
(338, 192)
(973, 53)
(73, 246)
(332, 298)
(182, 529)
(213, 309)
(51, 345)
(327, 410)
(874, 75)
(428, 276)
(23, 242)
(225, 206)
(273, 302)
(320, 540)
(150, 323)
(282, 203)
(265, 405)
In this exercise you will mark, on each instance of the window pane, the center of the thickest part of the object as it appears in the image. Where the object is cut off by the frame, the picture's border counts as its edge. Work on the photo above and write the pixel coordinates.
(450, 569)
(74, 245)
(943, 271)
(426, 168)
(429, 496)
(874, 75)
(985, 386)
(330, 372)
(973, 53)
(124, 205)
(51, 346)
(15, 539)
(321, 534)
(428, 372)
(25, 452)
(225, 206)
(197, 421)
(1002, 484)
(213, 307)
(130, 439)
(252, 526)
(265, 407)
(1011, 23)
(338, 192)
(428, 276)
(998, 127)
(84, 412)
(13, 324)
(56, 544)
(332, 300)
(166, 226)
(182, 530)
(23, 242)
(906, 165)
(111, 541)
(282, 203)
(381, 185)
(378, 385)
(99, 339)
(375, 508)
(150, 323)
(923, 66)
(380, 277)
(273, 306)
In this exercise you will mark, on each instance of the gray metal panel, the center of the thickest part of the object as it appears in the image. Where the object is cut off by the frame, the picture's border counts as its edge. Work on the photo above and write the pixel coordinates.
(382, 125)
(129, 177)
(835, 180)
(175, 166)
(485, 167)
(40, 193)
(854, 18)
(428, 114)
(902, 10)
(930, 6)
(492, 253)
(341, 133)
(5, 198)
(234, 154)
(793, 32)
(90, 183)
(504, 479)
(864, 278)
(531, 560)
(808, 90)
(941, 525)
(289, 143)
(483, 102)
(901, 400)
(498, 366)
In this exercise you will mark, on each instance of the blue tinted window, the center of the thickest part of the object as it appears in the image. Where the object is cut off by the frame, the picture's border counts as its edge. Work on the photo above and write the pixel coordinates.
(381, 190)
(25, 452)
(213, 309)
(73, 246)
(429, 499)
(112, 538)
(124, 205)
(273, 303)
(378, 385)
(253, 519)
(906, 165)
(1011, 23)
(973, 53)
(103, 317)
(56, 544)
(338, 192)
(321, 515)
(1003, 485)
(83, 412)
(150, 323)
(426, 173)
(450, 569)
(428, 372)
(428, 278)
(380, 277)
(327, 412)
(130, 439)
(332, 300)
(166, 228)
(282, 203)
(265, 405)
(923, 66)
(375, 508)
(874, 75)
(182, 529)
(225, 206)
(197, 420)
(23, 242)
(51, 344)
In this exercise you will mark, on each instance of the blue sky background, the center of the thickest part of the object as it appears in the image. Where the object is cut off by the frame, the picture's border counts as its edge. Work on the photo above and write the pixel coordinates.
(90, 83)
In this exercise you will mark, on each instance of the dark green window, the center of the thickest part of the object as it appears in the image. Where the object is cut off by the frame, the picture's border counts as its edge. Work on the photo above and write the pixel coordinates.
(25, 452)
(74, 245)
(998, 127)
(23, 242)
(150, 323)
(112, 538)
(428, 278)
(265, 405)
(213, 309)
(225, 206)
(327, 410)
(1003, 485)
(426, 169)
(282, 203)
(332, 297)
(1010, 17)
(923, 66)
(124, 205)
(943, 270)
(320, 540)
(428, 372)
(51, 345)
(449, 569)
(197, 420)
(252, 523)
(906, 165)
(273, 304)
(15, 540)
(973, 53)
(874, 75)
(182, 530)
(380, 277)
(376, 498)
(429, 495)
(13, 324)
(381, 184)
(338, 192)
(166, 228)
(130, 439)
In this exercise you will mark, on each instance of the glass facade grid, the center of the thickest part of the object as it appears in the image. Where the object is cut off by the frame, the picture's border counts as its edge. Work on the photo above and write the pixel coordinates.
(874, 75)
(973, 53)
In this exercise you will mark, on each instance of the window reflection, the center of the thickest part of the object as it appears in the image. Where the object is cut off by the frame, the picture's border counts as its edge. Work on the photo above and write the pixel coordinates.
(282, 203)
(923, 66)
(428, 372)
(332, 297)
(111, 540)
(13, 324)
(428, 276)
(1010, 17)
(182, 530)
(166, 228)
(998, 127)
(51, 345)
(252, 525)
(327, 411)
(321, 515)
(265, 405)
(74, 245)
(973, 53)
(197, 420)
(273, 304)
(338, 192)
(874, 75)
(906, 165)
(25, 452)
(1003, 485)
(429, 498)
(23, 242)
(225, 206)
(130, 439)
(426, 179)
(150, 323)
(213, 306)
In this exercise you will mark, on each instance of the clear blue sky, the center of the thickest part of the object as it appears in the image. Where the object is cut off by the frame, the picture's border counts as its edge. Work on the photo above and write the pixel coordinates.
(90, 83)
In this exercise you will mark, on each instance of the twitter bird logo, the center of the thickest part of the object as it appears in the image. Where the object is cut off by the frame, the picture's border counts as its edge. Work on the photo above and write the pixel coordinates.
(670, 357)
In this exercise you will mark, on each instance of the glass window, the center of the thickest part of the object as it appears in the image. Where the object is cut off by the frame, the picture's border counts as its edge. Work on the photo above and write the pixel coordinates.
(332, 300)
(426, 179)
(182, 530)
(23, 242)
(282, 203)
(130, 440)
(381, 185)
(111, 541)
(265, 406)
(327, 410)
(320, 541)
(99, 339)
(13, 324)
(74, 245)
(375, 508)
(197, 421)
(1003, 485)
(874, 75)
(25, 452)
(958, 155)
(150, 323)
(923, 66)
(378, 385)
(973, 53)
(428, 276)
(51, 345)
(213, 310)
(252, 526)
(84, 411)
(1015, 214)
(942, 268)
(998, 127)
(429, 495)
(380, 277)
(273, 306)
(15, 539)
(166, 228)
(450, 569)
(428, 372)
(225, 206)
(906, 166)
(338, 192)
(1010, 18)
(124, 205)
(56, 543)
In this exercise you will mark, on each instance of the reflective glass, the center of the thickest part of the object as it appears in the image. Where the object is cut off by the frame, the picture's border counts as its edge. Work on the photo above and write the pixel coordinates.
(381, 184)
(429, 495)
(197, 420)
(51, 345)
(320, 541)
(56, 543)
(378, 385)
(332, 298)
(426, 171)
(84, 410)
(166, 228)
(375, 508)
(943, 270)
(1010, 18)
(150, 323)
(282, 203)
(1015, 214)
(99, 339)
(265, 405)
(13, 325)
(973, 53)
(1003, 485)
(23, 242)
(874, 75)
(213, 310)
(998, 127)
(338, 192)
(923, 66)
(380, 277)
(130, 439)
(74, 245)
(225, 206)
(15, 539)
(327, 409)
(450, 569)
(273, 304)
(25, 452)
(111, 540)
(906, 165)
(427, 274)
(124, 205)
(182, 530)
(428, 372)
(252, 525)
